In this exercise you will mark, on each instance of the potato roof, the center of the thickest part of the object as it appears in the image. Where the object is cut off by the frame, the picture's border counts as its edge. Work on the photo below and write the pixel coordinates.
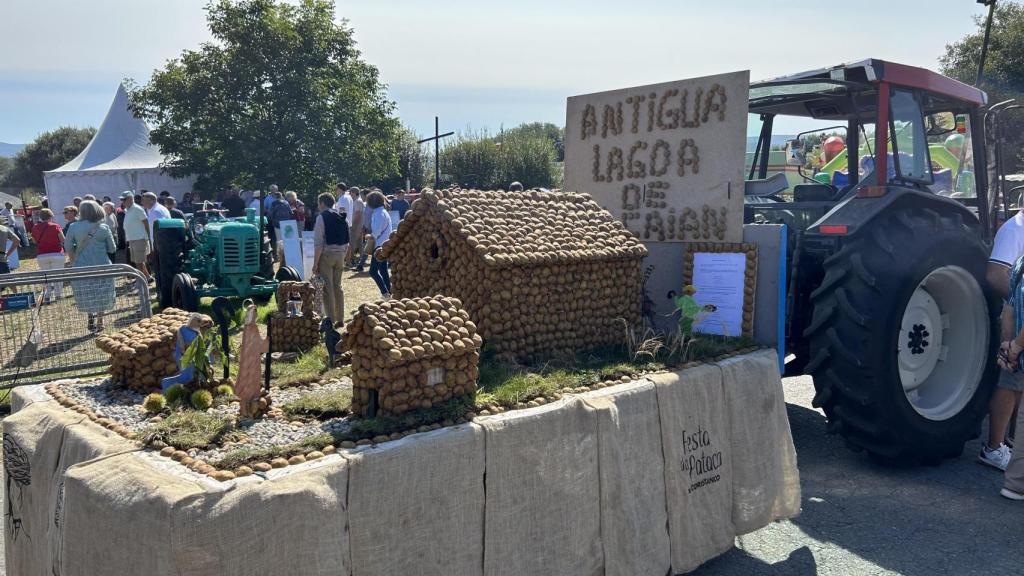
(413, 328)
(530, 227)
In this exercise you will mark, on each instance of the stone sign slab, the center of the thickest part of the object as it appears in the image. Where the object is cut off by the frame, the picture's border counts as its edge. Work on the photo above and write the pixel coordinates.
(666, 159)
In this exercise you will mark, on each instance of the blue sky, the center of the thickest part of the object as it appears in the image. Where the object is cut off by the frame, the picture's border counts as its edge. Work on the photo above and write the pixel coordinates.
(477, 64)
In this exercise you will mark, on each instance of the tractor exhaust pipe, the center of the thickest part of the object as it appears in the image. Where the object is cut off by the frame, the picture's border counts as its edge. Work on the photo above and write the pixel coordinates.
(984, 44)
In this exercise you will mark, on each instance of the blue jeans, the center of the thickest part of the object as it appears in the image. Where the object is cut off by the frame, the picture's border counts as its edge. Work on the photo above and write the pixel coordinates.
(379, 273)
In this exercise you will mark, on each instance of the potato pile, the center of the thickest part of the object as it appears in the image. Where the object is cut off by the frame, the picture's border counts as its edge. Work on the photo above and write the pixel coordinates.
(414, 352)
(542, 274)
(295, 333)
(143, 354)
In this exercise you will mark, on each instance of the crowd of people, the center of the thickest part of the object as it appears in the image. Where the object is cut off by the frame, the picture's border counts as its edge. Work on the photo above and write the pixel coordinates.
(348, 228)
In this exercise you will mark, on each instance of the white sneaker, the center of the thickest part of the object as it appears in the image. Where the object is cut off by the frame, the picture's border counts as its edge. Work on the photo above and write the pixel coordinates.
(998, 458)
(1010, 494)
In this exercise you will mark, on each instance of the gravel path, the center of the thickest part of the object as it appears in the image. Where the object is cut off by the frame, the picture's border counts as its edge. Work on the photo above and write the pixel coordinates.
(125, 406)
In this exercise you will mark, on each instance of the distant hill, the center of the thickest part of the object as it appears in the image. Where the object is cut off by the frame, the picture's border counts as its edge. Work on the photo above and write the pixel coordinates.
(777, 140)
(10, 150)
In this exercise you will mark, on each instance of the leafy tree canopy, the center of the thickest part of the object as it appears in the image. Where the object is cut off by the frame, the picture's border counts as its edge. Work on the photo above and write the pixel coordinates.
(412, 164)
(521, 154)
(1004, 66)
(281, 96)
(6, 165)
(50, 150)
(554, 134)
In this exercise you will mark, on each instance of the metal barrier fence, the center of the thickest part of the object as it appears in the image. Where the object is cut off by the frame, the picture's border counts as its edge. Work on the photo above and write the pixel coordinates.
(49, 320)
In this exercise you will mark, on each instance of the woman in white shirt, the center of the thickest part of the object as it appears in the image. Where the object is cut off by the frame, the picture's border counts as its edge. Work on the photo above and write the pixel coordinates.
(380, 230)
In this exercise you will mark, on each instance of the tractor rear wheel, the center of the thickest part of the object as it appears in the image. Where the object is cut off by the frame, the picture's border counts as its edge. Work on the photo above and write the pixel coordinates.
(288, 274)
(902, 342)
(183, 293)
(170, 250)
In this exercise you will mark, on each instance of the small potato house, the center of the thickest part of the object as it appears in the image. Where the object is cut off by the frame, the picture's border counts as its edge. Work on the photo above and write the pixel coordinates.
(410, 353)
(541, 273)
(142, 354)
(295, 333)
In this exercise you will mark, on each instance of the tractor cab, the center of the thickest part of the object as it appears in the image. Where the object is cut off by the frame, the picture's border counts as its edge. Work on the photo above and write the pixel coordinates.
(878, 171)
(821, 144)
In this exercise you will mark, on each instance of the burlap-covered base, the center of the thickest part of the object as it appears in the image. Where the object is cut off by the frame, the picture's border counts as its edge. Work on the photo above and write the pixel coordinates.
(641, 478)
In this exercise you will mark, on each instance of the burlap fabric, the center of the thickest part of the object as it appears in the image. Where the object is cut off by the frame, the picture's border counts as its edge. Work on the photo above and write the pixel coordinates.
(698, 465)
(543, 513)
(41, 441)
(171, 522)
(585, 486)
(428, 513)
(631, 466)
(765, 482)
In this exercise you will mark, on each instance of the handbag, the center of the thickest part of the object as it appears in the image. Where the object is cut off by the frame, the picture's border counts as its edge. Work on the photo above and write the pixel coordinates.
(85, 243)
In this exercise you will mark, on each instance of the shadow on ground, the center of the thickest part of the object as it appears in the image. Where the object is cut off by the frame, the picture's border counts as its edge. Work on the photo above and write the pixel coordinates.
(859, 517)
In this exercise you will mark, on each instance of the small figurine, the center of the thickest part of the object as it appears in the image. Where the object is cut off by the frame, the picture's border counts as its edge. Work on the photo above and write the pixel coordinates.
(331, 339)
(196, 327)
(247, 385)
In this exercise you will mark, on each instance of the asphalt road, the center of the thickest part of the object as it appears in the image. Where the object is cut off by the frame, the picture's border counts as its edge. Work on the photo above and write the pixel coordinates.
(859, 518)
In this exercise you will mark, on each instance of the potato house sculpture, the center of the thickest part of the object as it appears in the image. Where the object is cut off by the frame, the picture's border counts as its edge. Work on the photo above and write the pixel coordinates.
(541, 273)
(412, 353)
(295, 333)
(143, 354)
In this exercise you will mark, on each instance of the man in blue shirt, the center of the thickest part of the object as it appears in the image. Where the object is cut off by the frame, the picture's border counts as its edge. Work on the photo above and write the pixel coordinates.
(399, 203)
(270, 198)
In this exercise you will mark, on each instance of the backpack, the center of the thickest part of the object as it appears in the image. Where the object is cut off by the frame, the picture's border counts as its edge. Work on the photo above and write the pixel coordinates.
(279, 212)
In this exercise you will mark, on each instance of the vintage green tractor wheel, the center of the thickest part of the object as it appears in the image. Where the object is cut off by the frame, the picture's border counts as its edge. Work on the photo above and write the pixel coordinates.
(287, 274)
(266, 258)
(170, 252)
(902, 341)
(183, 293)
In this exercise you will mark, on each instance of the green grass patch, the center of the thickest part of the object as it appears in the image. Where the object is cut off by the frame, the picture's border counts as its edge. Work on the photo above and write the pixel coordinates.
(310, 366)
(189, 429)
(509, 385)
(321, 405)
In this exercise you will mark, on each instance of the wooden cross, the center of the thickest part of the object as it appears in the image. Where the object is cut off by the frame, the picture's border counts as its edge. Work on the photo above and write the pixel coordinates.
(437, 150)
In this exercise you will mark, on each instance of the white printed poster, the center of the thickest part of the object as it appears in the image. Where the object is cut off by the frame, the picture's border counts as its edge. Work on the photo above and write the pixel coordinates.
(307, 257)
(718, 278)
(292, 243)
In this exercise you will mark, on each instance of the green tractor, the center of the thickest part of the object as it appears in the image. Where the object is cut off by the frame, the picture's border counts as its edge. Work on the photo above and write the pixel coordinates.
(210, 255)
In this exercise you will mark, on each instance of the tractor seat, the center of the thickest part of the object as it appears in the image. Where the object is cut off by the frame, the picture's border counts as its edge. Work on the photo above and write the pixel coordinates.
(767, 187)
(813, 193)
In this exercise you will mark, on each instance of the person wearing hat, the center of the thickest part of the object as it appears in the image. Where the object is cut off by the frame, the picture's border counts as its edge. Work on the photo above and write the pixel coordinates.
(7, 233)
(136, 232)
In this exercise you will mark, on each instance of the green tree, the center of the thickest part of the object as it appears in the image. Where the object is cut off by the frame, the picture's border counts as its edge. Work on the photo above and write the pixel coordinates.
(552, 133)
(6, 165)
(281, 95)
(1004, 68)
(482, 161)
(50, 150)
(412, 163)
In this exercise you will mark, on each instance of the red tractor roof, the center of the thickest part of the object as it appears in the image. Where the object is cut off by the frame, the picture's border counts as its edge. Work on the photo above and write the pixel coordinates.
(874, 70)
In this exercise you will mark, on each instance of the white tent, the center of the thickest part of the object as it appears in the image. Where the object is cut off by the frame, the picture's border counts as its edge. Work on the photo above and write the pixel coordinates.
(120, 157)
